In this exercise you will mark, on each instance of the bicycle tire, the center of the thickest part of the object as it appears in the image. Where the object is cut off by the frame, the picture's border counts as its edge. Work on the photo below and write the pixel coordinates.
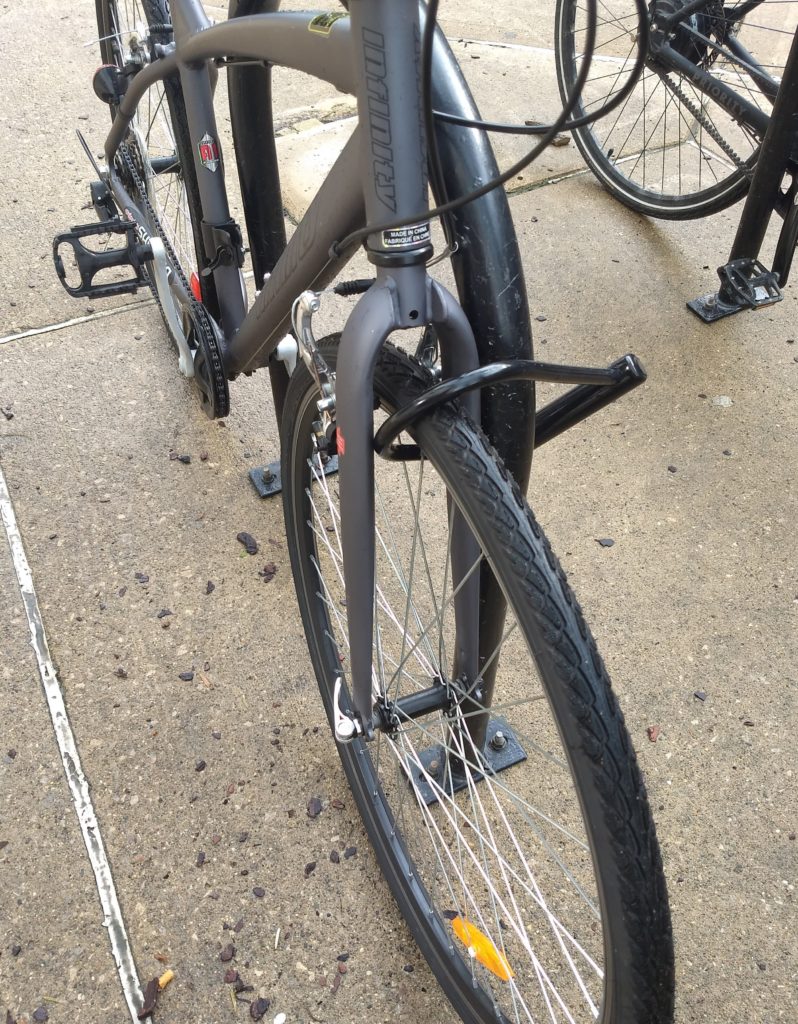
(654, 155)
(160, 137)
(623, 866)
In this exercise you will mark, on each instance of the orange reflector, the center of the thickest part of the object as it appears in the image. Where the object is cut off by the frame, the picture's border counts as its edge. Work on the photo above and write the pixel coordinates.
(196, 291)
(481, 948)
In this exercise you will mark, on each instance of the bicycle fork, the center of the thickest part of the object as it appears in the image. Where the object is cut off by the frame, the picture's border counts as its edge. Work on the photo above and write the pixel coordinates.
(401, 298)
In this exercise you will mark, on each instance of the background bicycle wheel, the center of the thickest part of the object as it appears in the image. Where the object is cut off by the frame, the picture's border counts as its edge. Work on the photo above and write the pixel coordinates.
(695, 595)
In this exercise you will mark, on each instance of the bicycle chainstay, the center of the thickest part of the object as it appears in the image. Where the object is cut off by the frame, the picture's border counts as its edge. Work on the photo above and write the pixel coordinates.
(206, 335)
(706, 123)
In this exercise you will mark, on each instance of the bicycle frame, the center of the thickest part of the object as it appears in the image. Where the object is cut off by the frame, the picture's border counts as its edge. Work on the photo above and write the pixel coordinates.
(380, 176)
(668, 59)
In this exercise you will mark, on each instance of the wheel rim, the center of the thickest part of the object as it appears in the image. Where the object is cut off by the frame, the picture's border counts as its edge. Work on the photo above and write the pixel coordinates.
(655, 146)
(509, 855)
(151, 139)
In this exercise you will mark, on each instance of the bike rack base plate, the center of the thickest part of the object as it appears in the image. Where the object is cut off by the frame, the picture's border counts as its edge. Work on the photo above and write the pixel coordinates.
(496, 761)
(268, 480)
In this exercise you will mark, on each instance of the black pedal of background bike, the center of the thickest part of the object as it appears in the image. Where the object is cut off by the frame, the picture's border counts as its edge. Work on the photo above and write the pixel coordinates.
(90, 262)
(745, 284)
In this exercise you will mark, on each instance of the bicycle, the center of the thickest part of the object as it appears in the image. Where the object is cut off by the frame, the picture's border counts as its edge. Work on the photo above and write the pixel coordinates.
(710, 121)
(510, 819)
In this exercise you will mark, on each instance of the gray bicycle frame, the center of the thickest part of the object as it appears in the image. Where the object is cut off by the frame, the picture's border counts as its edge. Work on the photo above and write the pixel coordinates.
(374, 54)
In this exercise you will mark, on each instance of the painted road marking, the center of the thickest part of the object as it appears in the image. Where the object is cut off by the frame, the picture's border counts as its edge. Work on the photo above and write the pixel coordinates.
(78, 785)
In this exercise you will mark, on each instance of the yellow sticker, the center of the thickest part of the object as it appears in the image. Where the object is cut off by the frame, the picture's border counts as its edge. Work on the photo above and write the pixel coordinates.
(322, 23)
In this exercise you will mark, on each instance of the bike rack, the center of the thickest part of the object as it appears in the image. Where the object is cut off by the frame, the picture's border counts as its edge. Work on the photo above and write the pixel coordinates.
(595, 389)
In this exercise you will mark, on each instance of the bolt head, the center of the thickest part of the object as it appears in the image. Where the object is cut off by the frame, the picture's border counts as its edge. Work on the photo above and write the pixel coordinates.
(499, 740)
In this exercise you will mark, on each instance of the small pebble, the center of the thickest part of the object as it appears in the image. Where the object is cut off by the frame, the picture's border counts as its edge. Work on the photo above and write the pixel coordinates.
(185, 459)
(259, 892)
(40, 1014)
(227, 953)
(16, 950)
(350, 851)
(258, 1008)
(203, 456)
(200, 858)
(186, 676)
(342, 958)
(671, 469)
(726, 451)
(216, 734)
(163, 613)
(121, 673)
(653, 732)
(700, 695)
(230, 976)
(314, 807)
(210, 586)
(310, 868)
(335, 857)
(342, 968)
(200, 766)
(605, 542)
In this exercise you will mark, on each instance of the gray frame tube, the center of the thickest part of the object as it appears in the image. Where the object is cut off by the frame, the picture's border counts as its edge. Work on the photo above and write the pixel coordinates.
(387, 307)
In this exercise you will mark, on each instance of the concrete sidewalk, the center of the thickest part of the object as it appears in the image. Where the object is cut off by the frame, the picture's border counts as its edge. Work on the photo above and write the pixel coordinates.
(201, 786)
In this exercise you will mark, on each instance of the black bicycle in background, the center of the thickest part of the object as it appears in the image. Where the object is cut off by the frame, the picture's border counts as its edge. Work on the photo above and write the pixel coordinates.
(711, 119)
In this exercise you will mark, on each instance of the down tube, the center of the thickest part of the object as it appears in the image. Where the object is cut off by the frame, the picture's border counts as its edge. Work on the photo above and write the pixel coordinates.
(336, 210)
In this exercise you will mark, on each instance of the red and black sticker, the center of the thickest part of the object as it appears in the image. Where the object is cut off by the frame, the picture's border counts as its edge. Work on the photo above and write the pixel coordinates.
(209, 152)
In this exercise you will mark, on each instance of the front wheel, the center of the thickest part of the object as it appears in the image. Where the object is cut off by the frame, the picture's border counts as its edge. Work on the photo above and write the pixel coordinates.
(536, 892)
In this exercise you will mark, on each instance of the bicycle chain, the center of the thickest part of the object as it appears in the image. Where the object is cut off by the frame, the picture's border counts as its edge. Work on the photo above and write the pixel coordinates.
(207, 343)
(711, 130)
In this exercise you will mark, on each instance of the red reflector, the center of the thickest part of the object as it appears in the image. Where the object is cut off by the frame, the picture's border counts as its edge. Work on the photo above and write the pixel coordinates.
(340, 444)
(196, 291)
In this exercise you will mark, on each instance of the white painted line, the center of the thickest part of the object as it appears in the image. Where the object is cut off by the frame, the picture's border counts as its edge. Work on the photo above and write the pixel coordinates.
(76, 320)
(112, 914)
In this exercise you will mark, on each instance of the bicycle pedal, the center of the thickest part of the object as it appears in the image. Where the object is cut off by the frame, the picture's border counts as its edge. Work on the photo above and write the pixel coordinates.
(745, 284)
(91, 262)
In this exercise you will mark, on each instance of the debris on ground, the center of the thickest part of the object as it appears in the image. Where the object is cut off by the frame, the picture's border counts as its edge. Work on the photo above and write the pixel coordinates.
(249, 542)
(185, 677)
(605, 542)
(165, 978)
(210, 586)
(268, 572)
(310, 868)
(350, 851)
(700, 695)
(314, 807)
(653, 732)
(227, 953)
(258, 1007)
(150, 997)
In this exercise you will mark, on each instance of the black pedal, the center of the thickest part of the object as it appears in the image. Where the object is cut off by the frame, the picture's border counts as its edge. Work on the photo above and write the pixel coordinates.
(89, 263)
(744, 284)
